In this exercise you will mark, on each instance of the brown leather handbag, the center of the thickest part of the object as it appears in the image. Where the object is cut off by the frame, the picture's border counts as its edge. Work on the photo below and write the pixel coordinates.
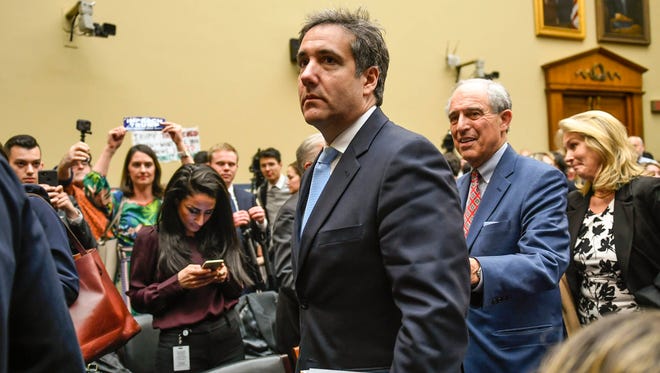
(102, 320)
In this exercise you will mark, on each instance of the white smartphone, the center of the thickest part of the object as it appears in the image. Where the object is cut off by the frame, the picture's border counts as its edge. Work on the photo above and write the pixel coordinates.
(213, 264)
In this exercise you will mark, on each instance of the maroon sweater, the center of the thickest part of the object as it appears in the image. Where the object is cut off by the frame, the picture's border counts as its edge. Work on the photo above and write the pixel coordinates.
(171, 305)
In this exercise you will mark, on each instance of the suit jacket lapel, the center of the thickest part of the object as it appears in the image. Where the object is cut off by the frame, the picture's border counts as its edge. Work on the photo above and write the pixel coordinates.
(497, 188)
(577, 208)
(339, 181)
(624, 223)
(463, 184)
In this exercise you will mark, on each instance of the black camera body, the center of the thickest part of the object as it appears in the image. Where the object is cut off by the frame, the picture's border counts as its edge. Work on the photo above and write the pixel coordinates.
(85, 128)
(257, 177)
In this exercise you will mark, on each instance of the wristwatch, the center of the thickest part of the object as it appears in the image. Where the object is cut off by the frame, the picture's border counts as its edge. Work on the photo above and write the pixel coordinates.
(183, 154)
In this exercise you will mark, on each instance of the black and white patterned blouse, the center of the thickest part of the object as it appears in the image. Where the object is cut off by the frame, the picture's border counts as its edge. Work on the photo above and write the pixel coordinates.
(602, 290)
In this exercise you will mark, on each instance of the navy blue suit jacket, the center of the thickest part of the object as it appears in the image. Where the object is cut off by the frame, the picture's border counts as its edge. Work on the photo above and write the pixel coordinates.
(381, 268)
(519, 235)
(58, 241)
(36, 332)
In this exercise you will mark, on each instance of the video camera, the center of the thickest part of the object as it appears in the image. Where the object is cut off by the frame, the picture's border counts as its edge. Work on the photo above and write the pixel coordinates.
(257, 177)
(85, 128)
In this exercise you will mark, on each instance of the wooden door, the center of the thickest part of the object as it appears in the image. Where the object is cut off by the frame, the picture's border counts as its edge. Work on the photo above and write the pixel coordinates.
(594, 80)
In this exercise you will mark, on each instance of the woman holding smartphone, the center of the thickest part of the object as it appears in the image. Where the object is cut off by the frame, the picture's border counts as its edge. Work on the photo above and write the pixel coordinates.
(191, 305)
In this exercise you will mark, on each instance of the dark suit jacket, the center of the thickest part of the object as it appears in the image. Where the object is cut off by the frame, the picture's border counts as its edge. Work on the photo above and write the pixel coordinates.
(37, 334)
(381, 269)
(636, 232)
(287, 323)
(519, 235)
(59, 244)
(246, 201)
(281, 243)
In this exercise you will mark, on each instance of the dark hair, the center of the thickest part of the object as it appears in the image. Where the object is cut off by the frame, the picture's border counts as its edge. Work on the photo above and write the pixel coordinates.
(126, 184)
(454, 163)
(559, 161)
(216, 239)
(271, 153)
(368, 48)
(448, 143)
(22, 141)
(201, 156)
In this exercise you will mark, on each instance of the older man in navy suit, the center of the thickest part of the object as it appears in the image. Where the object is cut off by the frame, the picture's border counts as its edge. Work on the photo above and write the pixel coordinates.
(516, 232)
(380, 262)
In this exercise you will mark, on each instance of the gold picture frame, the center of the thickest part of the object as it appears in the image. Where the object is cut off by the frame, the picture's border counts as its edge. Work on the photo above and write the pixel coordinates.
(617, 24)
(560, 19)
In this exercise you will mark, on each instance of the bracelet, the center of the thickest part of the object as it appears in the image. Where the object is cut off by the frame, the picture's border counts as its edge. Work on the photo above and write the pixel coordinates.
(183, 154)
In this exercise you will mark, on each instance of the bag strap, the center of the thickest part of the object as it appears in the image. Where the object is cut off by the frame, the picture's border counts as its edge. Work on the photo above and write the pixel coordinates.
(74, 240)
(115, 219)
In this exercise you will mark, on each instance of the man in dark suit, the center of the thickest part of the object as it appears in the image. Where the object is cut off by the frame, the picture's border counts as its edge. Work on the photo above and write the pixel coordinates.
(517, 238)
(36, 332)
(380, 262)
(249, 218)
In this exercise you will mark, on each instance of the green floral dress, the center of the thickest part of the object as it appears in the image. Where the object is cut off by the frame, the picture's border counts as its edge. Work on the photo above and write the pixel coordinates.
(132, 218)
(133, 215)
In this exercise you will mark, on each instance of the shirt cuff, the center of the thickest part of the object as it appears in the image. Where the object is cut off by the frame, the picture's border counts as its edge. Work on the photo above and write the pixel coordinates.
(77, 220)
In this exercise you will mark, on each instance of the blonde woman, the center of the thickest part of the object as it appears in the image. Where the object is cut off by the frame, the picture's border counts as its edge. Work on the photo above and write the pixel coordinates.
(614, 220)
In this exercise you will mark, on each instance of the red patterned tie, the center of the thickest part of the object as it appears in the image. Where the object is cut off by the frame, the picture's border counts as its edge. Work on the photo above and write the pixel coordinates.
(473, 202)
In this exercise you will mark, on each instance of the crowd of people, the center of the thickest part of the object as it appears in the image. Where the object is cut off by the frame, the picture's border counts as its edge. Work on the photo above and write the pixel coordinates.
(387, 255)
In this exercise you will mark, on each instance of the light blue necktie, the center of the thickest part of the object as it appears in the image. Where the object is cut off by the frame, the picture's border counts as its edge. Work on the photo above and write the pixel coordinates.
(319, 179)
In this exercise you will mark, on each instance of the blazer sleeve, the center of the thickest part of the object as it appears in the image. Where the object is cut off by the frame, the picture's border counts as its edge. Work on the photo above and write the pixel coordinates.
(424, 252)
(538, 255)
(281, 243)
(59, 247)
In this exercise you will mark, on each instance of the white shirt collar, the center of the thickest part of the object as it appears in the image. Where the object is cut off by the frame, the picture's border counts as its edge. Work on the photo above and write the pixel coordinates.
(280, 184)
(487, 169)
(342, 141)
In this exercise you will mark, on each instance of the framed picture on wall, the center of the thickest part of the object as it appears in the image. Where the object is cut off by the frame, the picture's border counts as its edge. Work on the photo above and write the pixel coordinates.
(623, 21)
(559, 18)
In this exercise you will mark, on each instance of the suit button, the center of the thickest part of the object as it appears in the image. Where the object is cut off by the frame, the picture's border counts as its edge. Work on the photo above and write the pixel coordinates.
(304, 306)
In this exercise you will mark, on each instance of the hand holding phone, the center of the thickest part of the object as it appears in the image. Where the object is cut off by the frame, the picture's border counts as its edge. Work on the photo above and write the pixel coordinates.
(48, 177)
(213, 264)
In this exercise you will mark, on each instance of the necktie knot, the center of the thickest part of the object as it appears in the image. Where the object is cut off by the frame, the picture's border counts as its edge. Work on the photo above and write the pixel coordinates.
(320, 177)
(328, 155)
(474, 177)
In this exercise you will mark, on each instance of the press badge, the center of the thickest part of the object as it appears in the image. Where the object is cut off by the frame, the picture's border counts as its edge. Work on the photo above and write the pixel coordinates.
(181, 358)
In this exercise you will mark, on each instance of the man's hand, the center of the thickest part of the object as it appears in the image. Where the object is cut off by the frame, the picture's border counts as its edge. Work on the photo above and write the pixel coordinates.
(241, 218)
(60, 200)
(77, 152)
(475, 273)
(257, 214)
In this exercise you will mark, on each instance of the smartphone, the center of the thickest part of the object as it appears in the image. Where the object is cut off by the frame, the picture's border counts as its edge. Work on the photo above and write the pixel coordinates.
(213, 264)
(48, 177)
